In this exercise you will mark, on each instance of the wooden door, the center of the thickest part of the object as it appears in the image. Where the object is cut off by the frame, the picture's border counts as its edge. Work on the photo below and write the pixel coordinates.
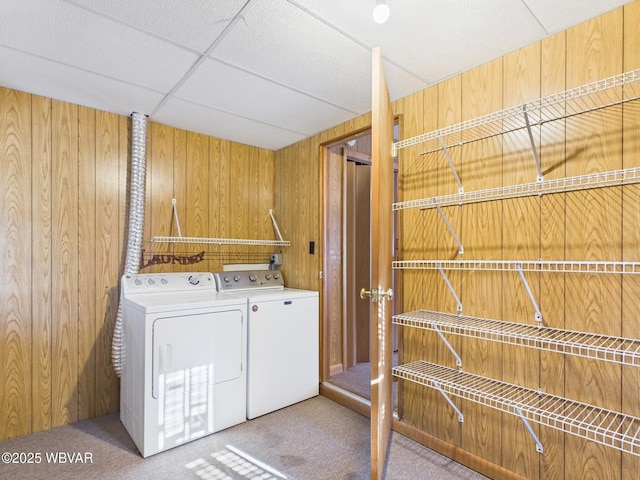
(381, 256)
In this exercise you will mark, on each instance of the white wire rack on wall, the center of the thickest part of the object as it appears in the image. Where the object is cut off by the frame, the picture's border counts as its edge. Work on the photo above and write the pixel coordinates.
(551, 266)
(221, 241)
(591, 422)
(592, 96)
(607, 427)
(625, 351)
(611, 178)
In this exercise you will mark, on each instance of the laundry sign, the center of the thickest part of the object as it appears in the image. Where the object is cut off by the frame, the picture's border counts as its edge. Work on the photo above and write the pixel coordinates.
(169, 258)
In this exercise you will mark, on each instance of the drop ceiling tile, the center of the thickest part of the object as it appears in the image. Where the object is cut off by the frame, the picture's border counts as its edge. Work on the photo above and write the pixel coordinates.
(557, 16)
(75, 37)
(281, 42)
(229, 89)
(208, 121)
(194, 24)
(50, 79)
(443, 38)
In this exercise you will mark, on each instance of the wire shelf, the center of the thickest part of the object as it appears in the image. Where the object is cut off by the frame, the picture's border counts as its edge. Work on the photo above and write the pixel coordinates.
(220, 241)
(607, 427)
(592, 96)
(611, 178)
(522, 265)
(625, 351)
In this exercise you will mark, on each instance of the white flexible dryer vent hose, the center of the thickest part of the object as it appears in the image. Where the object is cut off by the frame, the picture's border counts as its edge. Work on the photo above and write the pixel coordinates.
(136, 224)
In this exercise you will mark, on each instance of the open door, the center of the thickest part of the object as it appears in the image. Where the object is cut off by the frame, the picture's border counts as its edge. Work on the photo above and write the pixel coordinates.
(381, 257)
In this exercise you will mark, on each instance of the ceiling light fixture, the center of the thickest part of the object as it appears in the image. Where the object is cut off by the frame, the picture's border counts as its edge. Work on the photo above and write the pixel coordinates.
(381, 11)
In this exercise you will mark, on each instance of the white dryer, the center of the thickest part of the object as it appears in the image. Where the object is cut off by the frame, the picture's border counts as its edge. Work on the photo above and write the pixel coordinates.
(184, 359)
(282, 339)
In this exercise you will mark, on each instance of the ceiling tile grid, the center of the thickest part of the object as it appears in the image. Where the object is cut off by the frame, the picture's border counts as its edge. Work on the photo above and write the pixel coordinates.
(263, 72)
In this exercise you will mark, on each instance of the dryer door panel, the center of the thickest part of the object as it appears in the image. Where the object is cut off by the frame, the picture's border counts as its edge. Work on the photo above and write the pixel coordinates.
(188, 346)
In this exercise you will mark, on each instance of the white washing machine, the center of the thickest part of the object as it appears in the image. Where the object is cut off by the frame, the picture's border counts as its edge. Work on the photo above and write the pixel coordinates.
(282, 339)
(184, 359)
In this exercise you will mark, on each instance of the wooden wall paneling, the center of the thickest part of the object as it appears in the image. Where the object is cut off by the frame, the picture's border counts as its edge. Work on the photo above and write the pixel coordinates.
(594, 50)
(521, 240)
(449, 113)
(482, 239)
(41, 277)
(411, 230)
(90, 260)
(15, 267)
(297, 214)
(159, 218)
(108, 248)
(333, 245)
(312, 280)
(180, 190)
(238, 186)
(257, 213)
(224, 198)
(362, 260)
(213, 213)
(351, 270)
(308, 182)
(124, 161)
(433, 403)
(196, 204)
(266, 175)
(65, 264)
(631, 226)
(553, 238)
(283, 204)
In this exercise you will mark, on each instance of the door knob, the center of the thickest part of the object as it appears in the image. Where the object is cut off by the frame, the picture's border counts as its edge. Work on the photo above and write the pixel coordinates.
(374, 294)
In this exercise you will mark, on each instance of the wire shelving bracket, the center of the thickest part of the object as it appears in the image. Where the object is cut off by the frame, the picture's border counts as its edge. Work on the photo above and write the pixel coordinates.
(449, 401)
(538, 314)
(533, 143)
(539, 447)
(451, 289)
(448, 345)
(451, 165)
(451, 230)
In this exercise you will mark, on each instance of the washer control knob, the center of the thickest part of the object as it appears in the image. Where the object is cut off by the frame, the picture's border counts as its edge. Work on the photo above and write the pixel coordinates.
(193, 280)
(137, 281)
(268, 276)
(236, 278)
(253, 278)
(276, 276)
(151, 281)
(227, 279)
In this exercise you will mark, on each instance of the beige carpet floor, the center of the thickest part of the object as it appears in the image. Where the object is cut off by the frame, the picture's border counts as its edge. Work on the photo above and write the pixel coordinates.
(317, 439)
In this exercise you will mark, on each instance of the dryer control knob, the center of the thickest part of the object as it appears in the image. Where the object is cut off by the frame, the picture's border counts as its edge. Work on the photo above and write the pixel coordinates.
(253, 278)
(236, 278)
(276, 276)
(193, 280)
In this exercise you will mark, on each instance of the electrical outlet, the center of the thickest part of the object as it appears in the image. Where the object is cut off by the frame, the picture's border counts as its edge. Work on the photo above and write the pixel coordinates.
(276, 258)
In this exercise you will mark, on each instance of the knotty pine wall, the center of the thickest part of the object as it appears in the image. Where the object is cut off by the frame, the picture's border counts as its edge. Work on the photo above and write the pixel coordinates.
(62, 237)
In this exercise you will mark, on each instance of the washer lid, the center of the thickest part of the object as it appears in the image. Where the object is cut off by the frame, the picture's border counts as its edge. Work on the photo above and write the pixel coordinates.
(175, 301)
